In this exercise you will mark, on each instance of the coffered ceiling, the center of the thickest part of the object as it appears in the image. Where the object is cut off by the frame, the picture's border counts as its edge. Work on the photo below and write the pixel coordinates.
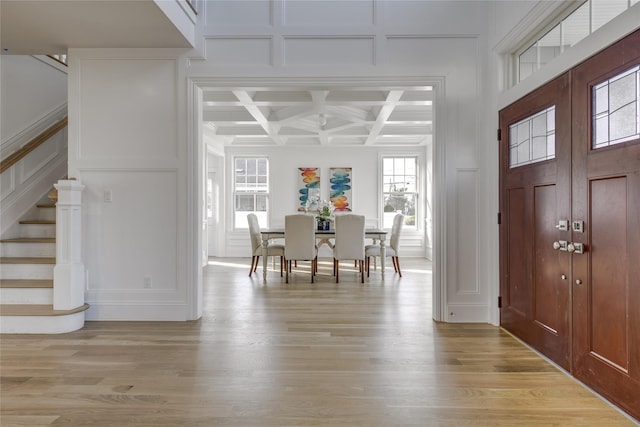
(305, 116)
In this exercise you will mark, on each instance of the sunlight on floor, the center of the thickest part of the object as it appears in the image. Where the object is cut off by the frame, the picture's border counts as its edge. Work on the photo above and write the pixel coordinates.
(234, 263)
(228, 264)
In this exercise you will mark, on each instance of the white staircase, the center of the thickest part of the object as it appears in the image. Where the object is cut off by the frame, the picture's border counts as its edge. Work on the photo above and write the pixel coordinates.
(26, 279)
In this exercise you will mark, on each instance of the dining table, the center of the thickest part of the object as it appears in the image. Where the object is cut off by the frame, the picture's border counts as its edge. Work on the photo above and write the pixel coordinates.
(269, 234)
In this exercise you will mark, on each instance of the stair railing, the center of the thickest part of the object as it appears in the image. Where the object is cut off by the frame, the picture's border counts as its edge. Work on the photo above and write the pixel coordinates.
(15, 157)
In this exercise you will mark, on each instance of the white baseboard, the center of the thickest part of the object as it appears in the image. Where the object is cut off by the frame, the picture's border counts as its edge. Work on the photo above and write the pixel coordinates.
(137, 312)
(466, 313)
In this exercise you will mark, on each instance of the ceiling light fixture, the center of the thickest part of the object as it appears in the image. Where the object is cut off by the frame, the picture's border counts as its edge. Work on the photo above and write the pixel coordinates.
(322, 120)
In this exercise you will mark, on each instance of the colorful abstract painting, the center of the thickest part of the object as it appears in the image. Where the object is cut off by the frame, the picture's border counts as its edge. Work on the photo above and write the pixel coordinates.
(340, 189)
(308, 188)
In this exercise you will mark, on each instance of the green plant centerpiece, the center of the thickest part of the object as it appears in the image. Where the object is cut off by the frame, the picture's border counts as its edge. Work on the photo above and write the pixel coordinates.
(323, 217)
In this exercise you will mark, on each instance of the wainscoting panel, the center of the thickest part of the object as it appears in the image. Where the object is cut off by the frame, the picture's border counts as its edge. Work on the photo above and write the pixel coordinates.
(145, 115)
(332, 13)
(256, 51)
(133, 238)
(329, 50)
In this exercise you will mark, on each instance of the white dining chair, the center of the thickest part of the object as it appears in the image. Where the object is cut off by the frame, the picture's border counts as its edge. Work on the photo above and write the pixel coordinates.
(300, 242)
(257, 249)
(392, 249)
(349, 242)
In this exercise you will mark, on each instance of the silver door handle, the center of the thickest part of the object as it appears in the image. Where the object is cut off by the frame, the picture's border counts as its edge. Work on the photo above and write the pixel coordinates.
(577, 248)
(560, 245)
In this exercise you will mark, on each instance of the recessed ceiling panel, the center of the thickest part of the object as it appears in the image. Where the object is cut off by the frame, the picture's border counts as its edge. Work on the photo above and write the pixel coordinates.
(328, 116)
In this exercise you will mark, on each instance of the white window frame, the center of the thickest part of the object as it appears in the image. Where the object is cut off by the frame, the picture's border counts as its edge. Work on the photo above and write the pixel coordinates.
(263, 218)
(556, 22)
(418, 209)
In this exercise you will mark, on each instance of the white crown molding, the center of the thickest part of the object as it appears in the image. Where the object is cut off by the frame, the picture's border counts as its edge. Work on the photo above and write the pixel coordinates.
(530, 24)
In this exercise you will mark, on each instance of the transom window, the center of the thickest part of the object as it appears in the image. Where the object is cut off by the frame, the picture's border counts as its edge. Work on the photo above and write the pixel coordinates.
(533, 139)
(251, 190)
(582, 21)
(616, 109)
(399, 189)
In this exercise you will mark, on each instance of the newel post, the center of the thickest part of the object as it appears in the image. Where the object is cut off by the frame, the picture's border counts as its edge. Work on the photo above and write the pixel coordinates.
(69, 272)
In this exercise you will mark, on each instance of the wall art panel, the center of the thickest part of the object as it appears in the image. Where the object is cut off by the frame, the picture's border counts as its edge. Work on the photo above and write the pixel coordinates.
(308, 193)
(340, 189)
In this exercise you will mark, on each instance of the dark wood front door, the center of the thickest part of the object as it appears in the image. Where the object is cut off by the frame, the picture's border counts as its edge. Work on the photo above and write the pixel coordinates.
(579, 304)
(606, 196)
(535, 197)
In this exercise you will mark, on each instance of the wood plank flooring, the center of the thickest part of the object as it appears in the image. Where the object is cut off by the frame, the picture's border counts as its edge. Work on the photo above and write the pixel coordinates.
(301, 354)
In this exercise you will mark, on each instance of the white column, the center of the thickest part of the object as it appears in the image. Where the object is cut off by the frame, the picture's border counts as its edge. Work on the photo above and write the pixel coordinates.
(69, 272)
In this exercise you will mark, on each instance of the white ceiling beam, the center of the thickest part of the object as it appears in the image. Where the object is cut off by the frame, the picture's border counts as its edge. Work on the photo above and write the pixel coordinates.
(392, 98)
(271, 129)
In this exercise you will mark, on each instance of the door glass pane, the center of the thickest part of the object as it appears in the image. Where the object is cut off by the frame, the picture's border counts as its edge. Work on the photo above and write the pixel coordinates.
(623, 123)
(533, 139)
(616, 116)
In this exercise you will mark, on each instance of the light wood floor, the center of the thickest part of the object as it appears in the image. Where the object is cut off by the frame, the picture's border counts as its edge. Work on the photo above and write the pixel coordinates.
(293, 355)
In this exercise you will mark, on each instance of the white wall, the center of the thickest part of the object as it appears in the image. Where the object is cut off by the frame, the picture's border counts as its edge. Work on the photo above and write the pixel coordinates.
(31, 91)
(127, 138)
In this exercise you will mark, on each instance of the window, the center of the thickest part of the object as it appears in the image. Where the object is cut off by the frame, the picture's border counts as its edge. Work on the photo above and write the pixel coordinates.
(399, 189)
(533, 139)
(251, 190)
(616, 109)
(582, 21)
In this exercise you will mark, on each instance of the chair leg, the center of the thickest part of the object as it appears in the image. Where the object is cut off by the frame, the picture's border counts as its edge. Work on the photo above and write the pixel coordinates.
(395, 266)
(337, 268)
(286, 267)
(361, 262)
(398, 264)
(368, 265)
(253, 262)
(255, 268)
(281, 259)
(313, 269)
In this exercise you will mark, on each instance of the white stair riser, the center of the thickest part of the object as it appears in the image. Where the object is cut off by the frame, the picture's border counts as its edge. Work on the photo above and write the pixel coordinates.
(48, 214)
(26, 271)
(38, 230)
(26, 295)
(9, 249)
(42, 324)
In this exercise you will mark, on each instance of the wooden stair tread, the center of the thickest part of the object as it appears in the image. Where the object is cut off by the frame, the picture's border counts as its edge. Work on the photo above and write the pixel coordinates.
(26, 283)
(29, 240)
(37, 310)
(46, 206)
(27, 260)
(37, 221)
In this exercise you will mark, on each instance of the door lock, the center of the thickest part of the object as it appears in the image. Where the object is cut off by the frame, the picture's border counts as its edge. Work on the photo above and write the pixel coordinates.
(563, 225)
(560, 245)
(577, 248)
